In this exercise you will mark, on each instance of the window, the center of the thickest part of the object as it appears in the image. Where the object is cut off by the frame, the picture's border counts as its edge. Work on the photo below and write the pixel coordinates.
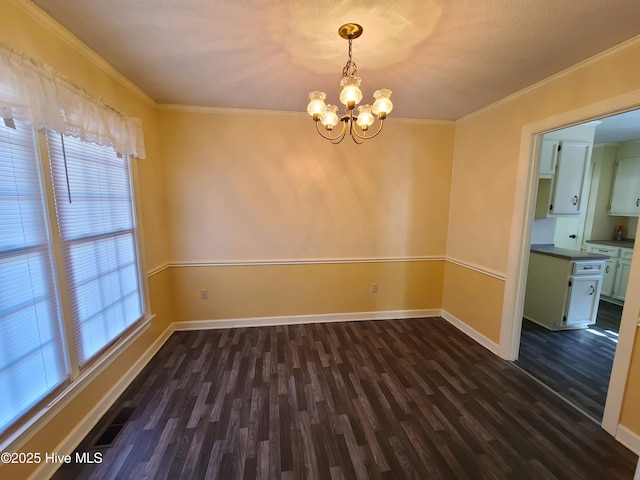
(32, 361)
(98, 278)
(96, 224)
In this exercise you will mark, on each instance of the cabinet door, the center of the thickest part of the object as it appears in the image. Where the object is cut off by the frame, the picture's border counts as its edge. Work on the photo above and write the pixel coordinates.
(566, 198)
(567, 234)
(584, 294)
(625, 194)
(621, 280)
(548, 156)
(609, 277)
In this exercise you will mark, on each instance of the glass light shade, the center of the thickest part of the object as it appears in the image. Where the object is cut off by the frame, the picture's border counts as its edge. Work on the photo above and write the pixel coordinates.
(383, 102)
(350, 90)
(316, 104)
(365, 117)
(330, 118)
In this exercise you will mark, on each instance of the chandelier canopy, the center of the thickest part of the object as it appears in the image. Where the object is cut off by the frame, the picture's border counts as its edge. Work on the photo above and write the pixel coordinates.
(357, 118)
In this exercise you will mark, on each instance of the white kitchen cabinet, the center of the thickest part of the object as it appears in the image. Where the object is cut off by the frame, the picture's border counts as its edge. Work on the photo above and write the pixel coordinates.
(569, 179)
(625, 193)
(548, 156)
(583, 296)
(621, 279)
(616, 273)
(562, 293)
(608, 277)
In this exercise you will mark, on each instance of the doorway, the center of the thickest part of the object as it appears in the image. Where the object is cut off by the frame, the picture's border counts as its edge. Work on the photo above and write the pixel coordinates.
(515, 295)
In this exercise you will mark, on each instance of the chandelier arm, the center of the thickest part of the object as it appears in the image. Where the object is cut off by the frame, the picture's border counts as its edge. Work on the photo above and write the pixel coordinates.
(342, 135)
(353, 131)
(365, 137)
(356, 137)
(335, 140)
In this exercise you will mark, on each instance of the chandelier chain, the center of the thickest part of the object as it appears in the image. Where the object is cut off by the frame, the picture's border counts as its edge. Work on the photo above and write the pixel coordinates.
(350, 68)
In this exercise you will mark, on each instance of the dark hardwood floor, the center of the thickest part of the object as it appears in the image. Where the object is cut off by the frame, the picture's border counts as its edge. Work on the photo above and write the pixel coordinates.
(575, 363)
(379, 399)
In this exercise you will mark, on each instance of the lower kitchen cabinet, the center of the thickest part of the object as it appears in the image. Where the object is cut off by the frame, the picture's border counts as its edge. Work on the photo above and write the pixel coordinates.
(562, 293)
(621, 279)
(583, 296)
(608, 278)
(617, 268)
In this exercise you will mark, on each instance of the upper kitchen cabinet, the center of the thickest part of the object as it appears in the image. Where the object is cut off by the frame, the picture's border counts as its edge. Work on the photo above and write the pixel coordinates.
(548, 157)
(568, 182)
(625, 193)
(563, 176)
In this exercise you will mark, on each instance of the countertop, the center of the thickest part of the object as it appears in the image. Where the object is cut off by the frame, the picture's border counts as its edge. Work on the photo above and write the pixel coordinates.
(571, 255)
(626, 243)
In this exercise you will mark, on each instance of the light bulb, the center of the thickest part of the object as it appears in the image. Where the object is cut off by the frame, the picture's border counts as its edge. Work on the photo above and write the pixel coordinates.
(382, 106)
(351, 94)
(317, 107)
(330, 118)
(365, 117)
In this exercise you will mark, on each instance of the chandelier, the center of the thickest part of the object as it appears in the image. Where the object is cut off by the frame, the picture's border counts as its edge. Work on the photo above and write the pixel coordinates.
(357, 118)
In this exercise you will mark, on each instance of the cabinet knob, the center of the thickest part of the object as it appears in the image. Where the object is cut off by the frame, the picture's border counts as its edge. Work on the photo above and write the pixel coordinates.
(592, 290)
(606, 270)
(574, 201)
(572, 236)
(638, 202)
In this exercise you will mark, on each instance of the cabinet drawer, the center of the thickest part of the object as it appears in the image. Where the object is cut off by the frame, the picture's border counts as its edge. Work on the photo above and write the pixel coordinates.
(626, 253)
(588, 268)
(613, 252)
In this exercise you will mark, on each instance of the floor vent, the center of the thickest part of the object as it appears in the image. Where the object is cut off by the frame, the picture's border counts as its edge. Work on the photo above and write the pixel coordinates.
(110, 433)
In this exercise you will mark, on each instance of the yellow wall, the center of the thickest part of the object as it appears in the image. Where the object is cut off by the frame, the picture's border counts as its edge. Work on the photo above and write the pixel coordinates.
(265, 186)
(249, 291)
(475, 298)
(246, 187)
(486, 153)
(36, 36)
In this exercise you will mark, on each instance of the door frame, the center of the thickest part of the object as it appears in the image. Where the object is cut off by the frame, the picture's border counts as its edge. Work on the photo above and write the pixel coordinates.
(519, 244)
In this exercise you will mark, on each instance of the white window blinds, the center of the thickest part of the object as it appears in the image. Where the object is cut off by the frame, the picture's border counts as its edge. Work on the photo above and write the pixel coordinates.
(96, 222)
(32, 359)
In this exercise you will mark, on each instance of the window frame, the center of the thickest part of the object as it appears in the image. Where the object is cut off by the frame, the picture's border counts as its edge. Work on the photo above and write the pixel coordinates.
(79, 377)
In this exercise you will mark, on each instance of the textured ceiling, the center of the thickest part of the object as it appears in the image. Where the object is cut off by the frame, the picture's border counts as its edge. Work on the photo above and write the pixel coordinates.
(443, 59)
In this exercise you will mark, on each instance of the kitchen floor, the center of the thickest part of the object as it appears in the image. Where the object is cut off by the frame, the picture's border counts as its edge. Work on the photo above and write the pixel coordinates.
(574, 363)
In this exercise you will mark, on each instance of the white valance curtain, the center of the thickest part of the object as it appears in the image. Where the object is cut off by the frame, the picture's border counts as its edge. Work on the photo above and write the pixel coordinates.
(35, 94)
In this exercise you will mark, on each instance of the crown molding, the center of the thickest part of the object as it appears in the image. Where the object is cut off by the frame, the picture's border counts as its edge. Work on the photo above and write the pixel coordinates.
(175, 107)
(203, 109)
(74, 42)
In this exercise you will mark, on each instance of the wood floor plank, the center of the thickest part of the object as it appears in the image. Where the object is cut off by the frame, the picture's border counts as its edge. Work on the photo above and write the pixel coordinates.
(362, 400)
(575, 363)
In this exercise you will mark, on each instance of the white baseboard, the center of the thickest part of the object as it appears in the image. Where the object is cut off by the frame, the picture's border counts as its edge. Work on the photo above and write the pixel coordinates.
(629, 439)
(82, 429)
(300, 319)
(474, 334)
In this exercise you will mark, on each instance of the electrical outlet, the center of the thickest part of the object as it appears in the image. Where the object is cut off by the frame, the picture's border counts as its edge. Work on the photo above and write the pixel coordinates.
(374, 288)
(204, 294)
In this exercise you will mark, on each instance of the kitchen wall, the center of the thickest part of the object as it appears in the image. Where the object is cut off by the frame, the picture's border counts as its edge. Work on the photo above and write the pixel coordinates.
(274, 221)
(599, 225)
